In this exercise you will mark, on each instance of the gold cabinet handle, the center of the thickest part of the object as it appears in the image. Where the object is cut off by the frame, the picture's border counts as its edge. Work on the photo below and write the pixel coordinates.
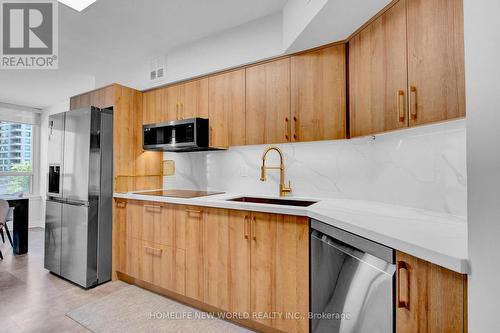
(401, 104)
(253, 228)
(181, 111)
(193, 211)
(296, 128)
(153, 251)
(177, 111)
(152, 207)
(121, 204)
(401, 265)
(246, 226)
(288, 129)
(413, 102)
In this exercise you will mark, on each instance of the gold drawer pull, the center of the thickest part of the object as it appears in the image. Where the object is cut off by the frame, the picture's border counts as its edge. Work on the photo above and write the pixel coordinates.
(253, 228)
(413, 102)
(193, 211)
(401, 265)
(246, 226)
(121, 204)
(288, 129)
(152, 207)
(401, 104)
(153, 251)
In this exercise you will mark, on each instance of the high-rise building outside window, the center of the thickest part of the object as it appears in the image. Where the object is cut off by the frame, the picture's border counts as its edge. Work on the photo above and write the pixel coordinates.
(16, 154)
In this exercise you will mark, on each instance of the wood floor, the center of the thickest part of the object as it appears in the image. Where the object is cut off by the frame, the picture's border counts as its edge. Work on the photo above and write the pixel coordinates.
(32, 299)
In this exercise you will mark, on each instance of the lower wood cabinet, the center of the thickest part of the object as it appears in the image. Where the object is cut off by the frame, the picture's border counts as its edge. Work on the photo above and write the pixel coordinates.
(429, 298)
(280, 270)
(235, 261)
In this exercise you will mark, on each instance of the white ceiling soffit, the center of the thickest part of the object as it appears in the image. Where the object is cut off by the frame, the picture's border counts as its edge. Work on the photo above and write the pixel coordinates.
(77, 5)
(329, 21)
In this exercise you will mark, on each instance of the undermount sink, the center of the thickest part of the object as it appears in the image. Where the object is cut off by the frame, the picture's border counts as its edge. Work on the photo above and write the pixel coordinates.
(272, 201)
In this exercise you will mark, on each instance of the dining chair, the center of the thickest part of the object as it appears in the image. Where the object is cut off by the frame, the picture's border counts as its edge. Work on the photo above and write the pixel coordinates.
(4, 213)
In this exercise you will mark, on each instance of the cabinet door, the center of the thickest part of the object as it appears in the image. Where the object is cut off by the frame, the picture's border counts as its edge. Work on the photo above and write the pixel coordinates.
(193, 218)
(154, 106)
(435, 60)
(195, 99)
(175, 95)
(158, 223)
(280, 270)
(268, 102)
(227, 259)
(319, 94)
(430, 298)
(120, 235)
(227, 109)
(163, 266)
(378, 74)
(134, 219)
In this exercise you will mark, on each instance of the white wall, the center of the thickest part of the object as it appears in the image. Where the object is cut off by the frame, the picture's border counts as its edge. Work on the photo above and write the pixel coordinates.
(247, 43)
(423, 167)
(482, 72)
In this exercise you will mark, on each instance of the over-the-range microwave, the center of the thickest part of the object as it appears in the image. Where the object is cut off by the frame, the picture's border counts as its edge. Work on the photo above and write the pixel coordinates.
(184, 135)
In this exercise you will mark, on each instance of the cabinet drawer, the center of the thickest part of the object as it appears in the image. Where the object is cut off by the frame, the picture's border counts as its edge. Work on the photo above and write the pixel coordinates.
(163, 266)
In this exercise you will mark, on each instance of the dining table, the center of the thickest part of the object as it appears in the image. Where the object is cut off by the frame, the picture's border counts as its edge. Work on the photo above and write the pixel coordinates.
(20, 222)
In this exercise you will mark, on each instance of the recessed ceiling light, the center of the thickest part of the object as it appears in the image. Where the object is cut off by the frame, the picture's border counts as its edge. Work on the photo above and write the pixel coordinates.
(78, 5)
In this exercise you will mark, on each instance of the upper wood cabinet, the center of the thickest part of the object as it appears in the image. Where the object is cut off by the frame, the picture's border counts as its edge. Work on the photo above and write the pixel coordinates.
(154, 106)
(226, 110)
(318, 94)
(436, 67)
(101, 98)
(378, 74)
(195, 100)
(407, 67)
(180, 101)
(429, 298)
(268, 102)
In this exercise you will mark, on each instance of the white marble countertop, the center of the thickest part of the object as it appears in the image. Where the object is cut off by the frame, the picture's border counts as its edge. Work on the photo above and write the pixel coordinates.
(432, 236)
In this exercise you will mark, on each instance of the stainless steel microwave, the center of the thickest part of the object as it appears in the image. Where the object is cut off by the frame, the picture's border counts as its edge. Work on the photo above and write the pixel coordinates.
(184, 135)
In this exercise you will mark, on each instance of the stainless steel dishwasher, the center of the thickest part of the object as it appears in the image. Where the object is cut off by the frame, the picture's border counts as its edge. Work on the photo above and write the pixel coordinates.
(352, 282)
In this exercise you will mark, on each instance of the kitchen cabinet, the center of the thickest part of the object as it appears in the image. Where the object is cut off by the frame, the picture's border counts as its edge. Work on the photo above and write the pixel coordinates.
(234, 261)
(193, 220)
(268, 103)
(101, 98)
(227, 260)
(318, 94)
(146, 244)
(280, 269)
(158, 223)
(154, 106)
(180, 101)
(436, 70)
(406, 68)
(187, 100)
(429, 298)
(119, 249)
(378, 74)
(226, 110)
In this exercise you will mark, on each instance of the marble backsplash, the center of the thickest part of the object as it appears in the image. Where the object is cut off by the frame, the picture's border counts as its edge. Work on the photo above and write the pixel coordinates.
(422, 167)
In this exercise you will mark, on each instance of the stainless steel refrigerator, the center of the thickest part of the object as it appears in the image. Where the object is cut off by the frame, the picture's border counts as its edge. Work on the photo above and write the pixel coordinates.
(79, 196)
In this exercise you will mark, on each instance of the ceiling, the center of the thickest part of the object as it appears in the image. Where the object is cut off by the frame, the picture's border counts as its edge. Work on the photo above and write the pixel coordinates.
(114, 32)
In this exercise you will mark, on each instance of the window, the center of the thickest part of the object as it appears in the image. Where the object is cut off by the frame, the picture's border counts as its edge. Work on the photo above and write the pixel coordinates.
(16, 164)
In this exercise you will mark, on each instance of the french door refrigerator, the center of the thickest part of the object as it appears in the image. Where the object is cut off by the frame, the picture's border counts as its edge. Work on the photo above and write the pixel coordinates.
(79, 196)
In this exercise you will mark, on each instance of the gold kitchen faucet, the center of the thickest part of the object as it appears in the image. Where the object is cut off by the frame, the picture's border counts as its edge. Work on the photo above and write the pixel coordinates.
(283, 188)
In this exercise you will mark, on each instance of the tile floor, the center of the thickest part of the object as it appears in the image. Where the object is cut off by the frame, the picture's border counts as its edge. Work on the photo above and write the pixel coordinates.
(32, 299)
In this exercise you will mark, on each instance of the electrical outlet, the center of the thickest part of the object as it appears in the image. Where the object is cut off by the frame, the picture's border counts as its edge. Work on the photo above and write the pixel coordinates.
(169, 168)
